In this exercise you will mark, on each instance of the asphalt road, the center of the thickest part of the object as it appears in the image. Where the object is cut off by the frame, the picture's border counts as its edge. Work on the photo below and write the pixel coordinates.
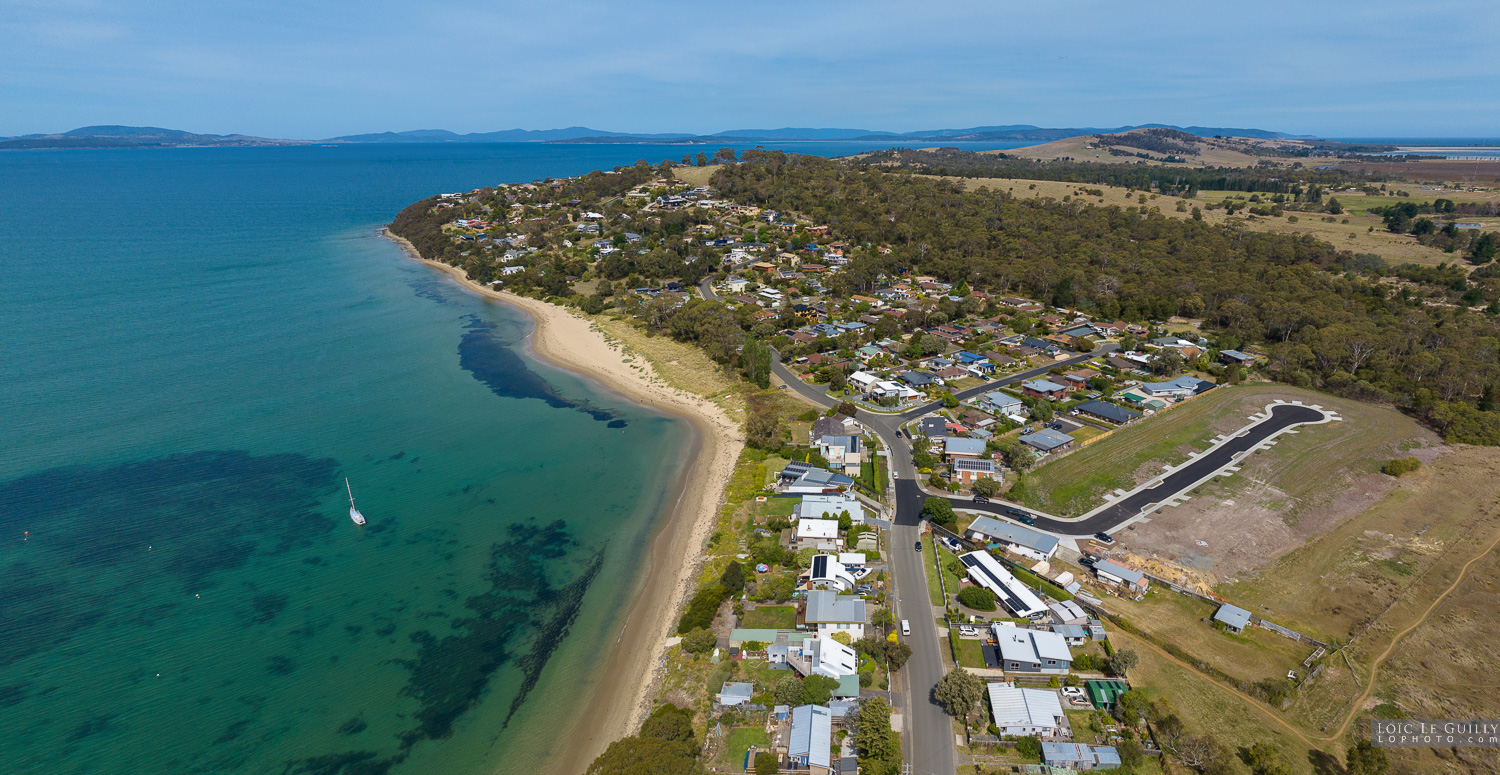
(929, 731)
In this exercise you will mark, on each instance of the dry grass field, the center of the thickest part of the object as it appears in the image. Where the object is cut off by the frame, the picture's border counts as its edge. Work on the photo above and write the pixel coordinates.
(695, 176)
(1354, 236)
(1433, 170)
(1214, 152)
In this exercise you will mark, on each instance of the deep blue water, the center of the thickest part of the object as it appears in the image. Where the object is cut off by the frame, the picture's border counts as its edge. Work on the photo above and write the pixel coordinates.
(198, 346)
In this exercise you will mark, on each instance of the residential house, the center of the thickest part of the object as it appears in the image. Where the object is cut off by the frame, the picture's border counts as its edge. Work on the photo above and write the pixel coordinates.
(1002, 404)
(969, 470)
(1236, 358)
(1128, 579)
(892, 391)
(810, 744)
(1072, 634)
(1108, 412)
(827, 572)
(1234, 618)
(807, 479)
(863, 381)
(1043, 388)
(735, 693)
(956, 447)
(823, 656)
(1103, 694)
(986, 571)
(820, 534)
(1014, 538)
(917, 379)
(826, 612)
(1048, 441)
(1023, 712)
(830, 507)
(1031, 651)
(934, 428)
(1176, 389)
(844, 452)
(1079, 757)
(1069, 612)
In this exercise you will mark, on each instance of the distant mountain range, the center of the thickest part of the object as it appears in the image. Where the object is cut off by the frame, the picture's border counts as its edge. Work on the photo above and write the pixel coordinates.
(109, 136)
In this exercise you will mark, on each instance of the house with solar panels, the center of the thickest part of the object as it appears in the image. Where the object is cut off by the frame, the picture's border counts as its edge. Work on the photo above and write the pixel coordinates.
(1019, 599)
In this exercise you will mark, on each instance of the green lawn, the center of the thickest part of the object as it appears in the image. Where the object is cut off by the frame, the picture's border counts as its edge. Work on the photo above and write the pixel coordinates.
(775, 507)
(737, 741)
(967, 652)
(770, 617)
(934, 587)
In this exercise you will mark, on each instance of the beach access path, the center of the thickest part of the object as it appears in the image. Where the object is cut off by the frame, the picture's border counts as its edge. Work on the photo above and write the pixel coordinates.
(622, 695)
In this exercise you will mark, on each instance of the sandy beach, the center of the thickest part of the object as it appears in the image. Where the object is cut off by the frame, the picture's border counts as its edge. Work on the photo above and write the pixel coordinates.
(622, 698)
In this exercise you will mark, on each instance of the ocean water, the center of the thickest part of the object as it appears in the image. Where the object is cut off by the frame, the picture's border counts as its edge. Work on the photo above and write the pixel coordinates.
(197, 347)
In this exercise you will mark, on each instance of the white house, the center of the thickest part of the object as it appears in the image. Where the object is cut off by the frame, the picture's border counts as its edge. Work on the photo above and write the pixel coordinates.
(823, 656)
(1003, 404)
(735, 693)
(830, 507)
(821, 534)
(987, 572)
(1025, 711)
(827, 571)
(863, 380)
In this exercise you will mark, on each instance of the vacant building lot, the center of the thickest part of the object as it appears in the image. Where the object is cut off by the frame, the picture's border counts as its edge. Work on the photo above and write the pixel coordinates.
(1253, 655)
(1310, 481)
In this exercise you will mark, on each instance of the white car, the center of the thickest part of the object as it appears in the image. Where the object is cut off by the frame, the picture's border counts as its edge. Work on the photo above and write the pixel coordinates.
(968, 631)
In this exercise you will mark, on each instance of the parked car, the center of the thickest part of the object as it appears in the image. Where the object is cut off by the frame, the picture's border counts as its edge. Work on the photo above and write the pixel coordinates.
(864, 589)
(1015, 512)
(1057, 426)
(919, 546)
(981, 499)
(905, 627)
(968, 631)
(1026, 520)
(1103, 538)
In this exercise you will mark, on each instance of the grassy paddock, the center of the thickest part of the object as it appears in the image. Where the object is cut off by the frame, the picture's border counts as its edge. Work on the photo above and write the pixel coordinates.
(1314, 462)
(770, 617)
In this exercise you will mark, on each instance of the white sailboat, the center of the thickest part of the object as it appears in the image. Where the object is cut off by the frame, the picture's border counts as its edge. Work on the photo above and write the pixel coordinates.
(359, 519)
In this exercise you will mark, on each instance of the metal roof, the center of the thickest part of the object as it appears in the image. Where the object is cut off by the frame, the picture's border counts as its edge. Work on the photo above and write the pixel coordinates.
(1047, 439)
(987, 572)
(962, 446)
(812, 734)
(1024, 707)
(737, 689)
(1043, 385)
(825, 607)
(1020, 645)
(1119, 571)
(1108, 411)
(817, 528)
(1233, 615)
(998, 530)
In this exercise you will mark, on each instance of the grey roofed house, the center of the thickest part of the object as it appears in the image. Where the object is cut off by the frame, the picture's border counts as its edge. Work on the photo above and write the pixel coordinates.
(812, 736)
(735, 693)
(824, 426)
(1043, 385)
(1108, 411)
(1072, 633)
(1047, 439)
(1236, 356)
(849, 442)
(1069, 612)
(826, 606)
(957, 445)
(1184, 385)
(917, 379)
(1233, 617)
(1005, 532)
(934, 428)
(1112, 568)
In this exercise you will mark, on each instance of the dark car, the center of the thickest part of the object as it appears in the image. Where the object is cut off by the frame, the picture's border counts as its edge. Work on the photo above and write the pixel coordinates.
(1026, 520)
(1057, 426)
(1015, 512)
(919, 546)
(981, 499)
(1103, 538)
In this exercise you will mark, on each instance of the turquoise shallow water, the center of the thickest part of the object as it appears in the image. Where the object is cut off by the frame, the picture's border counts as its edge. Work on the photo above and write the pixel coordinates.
(196, 347)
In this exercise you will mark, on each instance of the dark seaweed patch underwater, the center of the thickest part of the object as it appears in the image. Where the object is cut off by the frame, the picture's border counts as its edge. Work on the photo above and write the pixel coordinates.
(493, 361)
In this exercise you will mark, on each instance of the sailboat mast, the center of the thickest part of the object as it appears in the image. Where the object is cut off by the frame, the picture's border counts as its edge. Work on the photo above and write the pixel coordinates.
(351, 492)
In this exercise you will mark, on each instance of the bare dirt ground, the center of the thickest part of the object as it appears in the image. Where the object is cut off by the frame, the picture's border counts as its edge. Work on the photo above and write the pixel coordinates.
(1309, 483)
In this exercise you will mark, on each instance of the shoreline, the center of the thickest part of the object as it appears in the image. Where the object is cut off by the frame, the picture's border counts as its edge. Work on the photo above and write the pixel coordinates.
(622, 697)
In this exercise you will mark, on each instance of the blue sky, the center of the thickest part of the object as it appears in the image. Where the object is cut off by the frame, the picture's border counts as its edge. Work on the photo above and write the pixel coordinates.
(311, 70)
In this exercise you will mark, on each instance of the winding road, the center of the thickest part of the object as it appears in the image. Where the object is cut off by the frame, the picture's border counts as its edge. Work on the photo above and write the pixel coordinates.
(928, 730)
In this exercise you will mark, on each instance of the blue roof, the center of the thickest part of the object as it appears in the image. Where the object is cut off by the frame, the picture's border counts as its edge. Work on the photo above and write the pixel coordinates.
(812, 734)
(956, 445)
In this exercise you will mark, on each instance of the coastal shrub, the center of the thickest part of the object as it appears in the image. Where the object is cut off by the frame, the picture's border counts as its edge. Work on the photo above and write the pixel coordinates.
(664, 744)
(989, 488)
(818, 689)
(789, 690)
(1401, 465)
(733, 579)
(843, 637)
(866, 680)
(699, 641)
(702, 609)
(1029, 747)
(977, 598)
(765, 764)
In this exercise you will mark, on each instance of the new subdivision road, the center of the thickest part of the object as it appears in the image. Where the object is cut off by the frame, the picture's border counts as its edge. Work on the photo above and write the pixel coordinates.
(928, 730)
